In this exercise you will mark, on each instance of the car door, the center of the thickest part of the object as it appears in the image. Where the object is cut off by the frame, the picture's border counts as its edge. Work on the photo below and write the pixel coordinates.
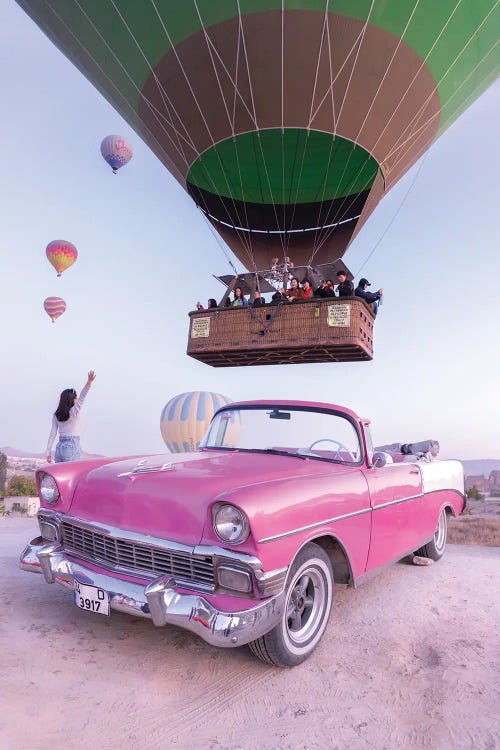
(396, 497)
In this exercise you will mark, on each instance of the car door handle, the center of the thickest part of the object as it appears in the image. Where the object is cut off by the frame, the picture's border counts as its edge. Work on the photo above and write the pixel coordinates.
(415, 471)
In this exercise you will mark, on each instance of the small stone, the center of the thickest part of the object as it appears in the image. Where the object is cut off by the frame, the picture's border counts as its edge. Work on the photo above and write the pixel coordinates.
(422, 560)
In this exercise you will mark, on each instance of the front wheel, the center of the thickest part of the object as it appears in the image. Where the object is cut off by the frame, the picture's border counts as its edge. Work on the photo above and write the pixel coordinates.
(435, 548)
(307, 604)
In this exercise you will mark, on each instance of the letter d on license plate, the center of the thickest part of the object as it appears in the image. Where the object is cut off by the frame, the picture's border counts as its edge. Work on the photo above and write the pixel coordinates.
(91, 598)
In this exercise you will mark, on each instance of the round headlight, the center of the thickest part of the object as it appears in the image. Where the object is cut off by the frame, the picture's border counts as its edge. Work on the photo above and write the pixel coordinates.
(230, 524)
(49, 492)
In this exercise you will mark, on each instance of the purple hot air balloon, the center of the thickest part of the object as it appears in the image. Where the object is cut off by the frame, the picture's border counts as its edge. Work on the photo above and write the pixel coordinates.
(116, 151)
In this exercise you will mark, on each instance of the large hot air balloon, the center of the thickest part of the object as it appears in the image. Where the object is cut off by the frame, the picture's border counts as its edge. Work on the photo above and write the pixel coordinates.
(116, 151)
(285, 120)
(61, 254)
(54, 307)
(186, 417)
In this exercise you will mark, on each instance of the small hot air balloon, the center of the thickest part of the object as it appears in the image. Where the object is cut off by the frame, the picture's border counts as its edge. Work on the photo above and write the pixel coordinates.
(61, 254)
(186, 417)
(116, 151)
(54, 307)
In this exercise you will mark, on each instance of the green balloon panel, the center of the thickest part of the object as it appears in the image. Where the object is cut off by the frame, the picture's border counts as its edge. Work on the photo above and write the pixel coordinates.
(293, 166)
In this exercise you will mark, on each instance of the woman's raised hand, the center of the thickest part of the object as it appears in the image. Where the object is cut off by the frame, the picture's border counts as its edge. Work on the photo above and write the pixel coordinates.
(90, 377)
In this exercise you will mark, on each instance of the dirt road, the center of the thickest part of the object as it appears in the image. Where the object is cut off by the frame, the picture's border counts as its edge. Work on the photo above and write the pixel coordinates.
(409, 660)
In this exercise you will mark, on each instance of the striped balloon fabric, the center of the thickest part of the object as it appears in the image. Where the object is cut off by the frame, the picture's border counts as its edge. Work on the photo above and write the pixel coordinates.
(186, 417)
(54, 307)
(61, 254)
(116, 151)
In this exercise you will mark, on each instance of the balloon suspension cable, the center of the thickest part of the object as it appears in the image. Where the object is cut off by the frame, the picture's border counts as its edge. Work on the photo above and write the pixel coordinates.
(394, 217)
(218, 239)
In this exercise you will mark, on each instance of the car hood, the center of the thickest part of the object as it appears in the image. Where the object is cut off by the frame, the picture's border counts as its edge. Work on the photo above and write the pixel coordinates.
(169, 496)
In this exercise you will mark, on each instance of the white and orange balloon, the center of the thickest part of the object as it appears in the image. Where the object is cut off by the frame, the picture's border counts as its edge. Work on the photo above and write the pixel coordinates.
(185, 419)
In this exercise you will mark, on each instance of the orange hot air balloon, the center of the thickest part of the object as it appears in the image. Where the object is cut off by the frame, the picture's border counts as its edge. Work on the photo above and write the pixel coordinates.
(61, 254)
(54, 307)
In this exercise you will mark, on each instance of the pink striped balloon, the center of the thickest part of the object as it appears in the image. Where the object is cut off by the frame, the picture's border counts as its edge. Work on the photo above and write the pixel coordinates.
(61, 254)
(54, 307)
(116, 151)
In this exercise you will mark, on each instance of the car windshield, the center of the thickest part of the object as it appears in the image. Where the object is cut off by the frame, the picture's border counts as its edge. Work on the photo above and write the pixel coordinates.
(283, 430)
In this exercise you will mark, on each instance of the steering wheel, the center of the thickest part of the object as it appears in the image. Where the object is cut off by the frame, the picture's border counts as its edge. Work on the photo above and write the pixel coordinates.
(340, 447)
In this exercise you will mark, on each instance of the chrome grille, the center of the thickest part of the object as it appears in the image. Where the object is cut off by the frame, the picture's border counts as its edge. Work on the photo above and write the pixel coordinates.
(137, 557)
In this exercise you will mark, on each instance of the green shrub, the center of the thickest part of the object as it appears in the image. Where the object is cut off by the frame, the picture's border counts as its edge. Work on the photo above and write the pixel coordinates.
(3, 472)
(19, 486)
(473, 493)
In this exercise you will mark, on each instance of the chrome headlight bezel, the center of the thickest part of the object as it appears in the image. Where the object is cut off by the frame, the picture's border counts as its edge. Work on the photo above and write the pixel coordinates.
(48, 490)
(225, 516)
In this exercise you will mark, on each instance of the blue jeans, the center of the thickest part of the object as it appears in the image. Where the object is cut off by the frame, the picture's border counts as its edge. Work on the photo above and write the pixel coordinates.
(67, 449)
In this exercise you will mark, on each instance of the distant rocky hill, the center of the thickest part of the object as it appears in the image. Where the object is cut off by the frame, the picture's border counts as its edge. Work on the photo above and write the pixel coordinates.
(482, 466)
(17, 453)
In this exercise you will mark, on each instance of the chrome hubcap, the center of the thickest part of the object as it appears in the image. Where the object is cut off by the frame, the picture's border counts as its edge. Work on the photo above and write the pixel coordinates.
(305, 605)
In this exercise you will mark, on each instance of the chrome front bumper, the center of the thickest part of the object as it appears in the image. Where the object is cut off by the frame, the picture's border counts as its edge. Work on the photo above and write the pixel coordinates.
(158, 600)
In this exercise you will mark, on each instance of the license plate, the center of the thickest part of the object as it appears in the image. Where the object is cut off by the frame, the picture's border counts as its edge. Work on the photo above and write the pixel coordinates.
(91, 598)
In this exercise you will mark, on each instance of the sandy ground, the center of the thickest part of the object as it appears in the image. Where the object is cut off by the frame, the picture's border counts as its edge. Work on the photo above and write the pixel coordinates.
(410, 660)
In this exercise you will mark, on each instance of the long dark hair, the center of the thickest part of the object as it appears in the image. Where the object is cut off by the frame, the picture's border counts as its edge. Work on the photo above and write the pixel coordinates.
(66, 401)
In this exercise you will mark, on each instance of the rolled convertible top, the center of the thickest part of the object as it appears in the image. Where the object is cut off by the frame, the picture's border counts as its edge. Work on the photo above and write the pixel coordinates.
(412, 449)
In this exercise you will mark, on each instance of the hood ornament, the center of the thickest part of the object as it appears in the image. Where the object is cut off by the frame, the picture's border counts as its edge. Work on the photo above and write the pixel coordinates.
(140, 468)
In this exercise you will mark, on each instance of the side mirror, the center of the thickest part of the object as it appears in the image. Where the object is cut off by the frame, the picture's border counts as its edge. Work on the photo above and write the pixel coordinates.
(379, 459)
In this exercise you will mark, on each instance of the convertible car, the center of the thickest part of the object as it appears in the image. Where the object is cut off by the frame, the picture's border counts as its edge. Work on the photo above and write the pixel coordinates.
(243, 540)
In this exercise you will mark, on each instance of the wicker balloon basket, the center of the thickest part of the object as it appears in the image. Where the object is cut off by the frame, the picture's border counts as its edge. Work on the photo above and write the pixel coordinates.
(326, 330)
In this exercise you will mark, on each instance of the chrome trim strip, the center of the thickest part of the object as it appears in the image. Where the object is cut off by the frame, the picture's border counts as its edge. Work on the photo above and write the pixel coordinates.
(313, 525)
(338, 518)
(398, 502)
(222, 554)
(159, 601)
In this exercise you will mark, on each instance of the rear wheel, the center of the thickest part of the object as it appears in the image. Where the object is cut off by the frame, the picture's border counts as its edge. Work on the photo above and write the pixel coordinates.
(307, 604)
(435, 548)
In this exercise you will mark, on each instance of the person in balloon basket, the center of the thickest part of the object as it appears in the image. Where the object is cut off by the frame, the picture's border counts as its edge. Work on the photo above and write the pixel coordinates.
(374, 298)
(66, 421)
(239, 300)
(211, 304)
(258, 299)
(278, 297)
(345, 287)
(307, 289)
(295, 292)
(325, 289)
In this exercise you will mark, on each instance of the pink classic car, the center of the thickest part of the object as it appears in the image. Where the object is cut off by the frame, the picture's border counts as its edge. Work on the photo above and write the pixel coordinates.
(243, 540)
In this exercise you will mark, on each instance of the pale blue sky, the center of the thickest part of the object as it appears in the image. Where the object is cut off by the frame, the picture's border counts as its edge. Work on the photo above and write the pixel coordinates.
(146, 255)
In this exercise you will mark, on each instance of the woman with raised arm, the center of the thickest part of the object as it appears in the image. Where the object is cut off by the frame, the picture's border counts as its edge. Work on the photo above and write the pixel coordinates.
(66, 421)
